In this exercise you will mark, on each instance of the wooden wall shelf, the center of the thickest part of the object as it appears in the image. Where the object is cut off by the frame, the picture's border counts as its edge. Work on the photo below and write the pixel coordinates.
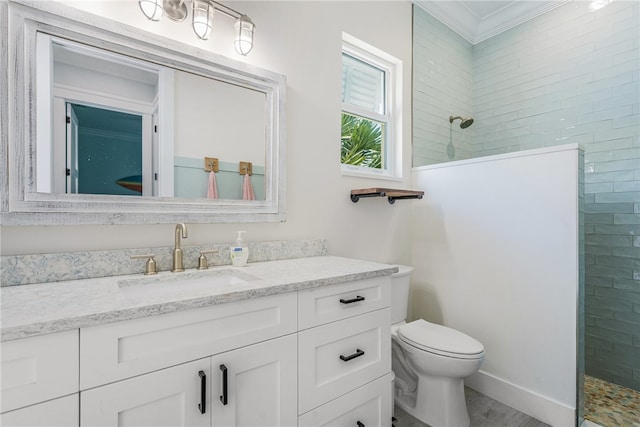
(391, 194)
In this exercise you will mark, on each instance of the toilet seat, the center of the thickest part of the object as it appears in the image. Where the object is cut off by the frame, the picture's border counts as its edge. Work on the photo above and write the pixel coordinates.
(440, 340)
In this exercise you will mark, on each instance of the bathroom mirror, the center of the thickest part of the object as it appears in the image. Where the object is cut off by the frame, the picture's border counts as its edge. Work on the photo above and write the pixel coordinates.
(170, 108)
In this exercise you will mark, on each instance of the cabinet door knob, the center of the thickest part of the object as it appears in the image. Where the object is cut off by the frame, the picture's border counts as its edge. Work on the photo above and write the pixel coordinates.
(359, 424)
(223, 398)
(358, 353)
(203, 392)
(352, 300)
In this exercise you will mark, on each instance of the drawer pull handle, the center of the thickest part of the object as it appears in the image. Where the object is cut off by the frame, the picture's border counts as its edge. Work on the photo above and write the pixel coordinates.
(352, 300)
(359, 424)
(358, 353)
(223, 398)
(203, 392)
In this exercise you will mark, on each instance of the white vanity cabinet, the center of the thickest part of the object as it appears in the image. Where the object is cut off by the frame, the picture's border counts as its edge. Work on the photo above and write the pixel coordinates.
(151, 371)
(250, 386)
(310, 356)
(344, 354)
(40, 380)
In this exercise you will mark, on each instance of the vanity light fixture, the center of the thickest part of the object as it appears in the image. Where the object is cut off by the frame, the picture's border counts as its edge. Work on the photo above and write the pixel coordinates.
(202, 12)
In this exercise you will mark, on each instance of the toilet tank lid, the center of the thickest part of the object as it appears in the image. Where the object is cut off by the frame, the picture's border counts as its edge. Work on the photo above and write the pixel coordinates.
(403, 270)
(437, 337)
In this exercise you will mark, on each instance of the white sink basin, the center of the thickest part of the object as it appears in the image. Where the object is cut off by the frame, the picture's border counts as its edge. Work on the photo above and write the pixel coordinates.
(191, 281)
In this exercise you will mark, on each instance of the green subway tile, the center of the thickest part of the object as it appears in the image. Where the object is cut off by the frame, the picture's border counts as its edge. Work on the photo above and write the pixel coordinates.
(608, 240)
(626, 252)
(609, 145)
(609, 271)
(618, 261)
(608, 333)
(626, 175)
(589, 259)
(597, 250)
(617, 165)
(626, 186)
(620, 229)
(636, 241)
(598, 342)
(599, 187)
(627, 153)
(626, 219)
(628, 317)
(617, 327)
(619, 357)
(627, 285)
(609, 208)
(621, 294)
(603, 307)
(599, 218)
(606, 282)
(625, 196)
(636, 207)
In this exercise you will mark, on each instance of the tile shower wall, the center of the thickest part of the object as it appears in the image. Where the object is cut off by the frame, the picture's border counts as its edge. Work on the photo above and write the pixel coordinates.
(572, 76)
(568, 76)
(442, 85)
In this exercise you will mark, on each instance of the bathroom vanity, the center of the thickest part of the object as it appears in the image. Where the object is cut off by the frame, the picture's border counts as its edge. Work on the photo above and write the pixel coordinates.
(291, 342)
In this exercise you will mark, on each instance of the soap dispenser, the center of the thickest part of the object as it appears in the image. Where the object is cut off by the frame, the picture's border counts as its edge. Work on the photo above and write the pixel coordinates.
(239, 252)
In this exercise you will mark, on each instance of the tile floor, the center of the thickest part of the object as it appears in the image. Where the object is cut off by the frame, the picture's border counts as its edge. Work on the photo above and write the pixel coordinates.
(483, 411)
(610, 405)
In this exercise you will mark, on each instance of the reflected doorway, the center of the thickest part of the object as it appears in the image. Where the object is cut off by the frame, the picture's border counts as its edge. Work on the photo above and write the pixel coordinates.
(104, 151)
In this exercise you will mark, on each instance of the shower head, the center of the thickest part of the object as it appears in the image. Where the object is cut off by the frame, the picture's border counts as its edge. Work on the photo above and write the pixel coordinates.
(465, 123)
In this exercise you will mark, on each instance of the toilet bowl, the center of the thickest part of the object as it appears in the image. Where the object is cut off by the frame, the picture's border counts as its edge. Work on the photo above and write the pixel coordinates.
(430, 363)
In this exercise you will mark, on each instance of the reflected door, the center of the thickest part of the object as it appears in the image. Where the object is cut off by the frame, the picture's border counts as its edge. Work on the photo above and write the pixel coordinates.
(107, 151)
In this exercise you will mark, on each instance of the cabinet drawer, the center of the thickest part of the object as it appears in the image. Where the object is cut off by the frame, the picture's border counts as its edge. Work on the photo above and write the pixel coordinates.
(369, 405)
(328, 304)
(61, 412)
(121, 350)
(341, 356)
(39, 368)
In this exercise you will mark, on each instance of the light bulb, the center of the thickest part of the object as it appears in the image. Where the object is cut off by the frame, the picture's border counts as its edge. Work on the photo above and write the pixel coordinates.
(202, 19)
(152, 9)
(244, 35)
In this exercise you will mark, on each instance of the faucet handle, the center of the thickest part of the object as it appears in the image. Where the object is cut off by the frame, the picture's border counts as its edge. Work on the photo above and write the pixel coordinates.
(203, 263)
(150, 265)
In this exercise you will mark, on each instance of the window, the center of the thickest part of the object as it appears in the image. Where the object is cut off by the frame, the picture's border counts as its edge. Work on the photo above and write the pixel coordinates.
(371, 88)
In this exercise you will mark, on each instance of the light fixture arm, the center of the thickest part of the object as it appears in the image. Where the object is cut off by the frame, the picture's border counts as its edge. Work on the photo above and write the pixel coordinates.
(225, 10)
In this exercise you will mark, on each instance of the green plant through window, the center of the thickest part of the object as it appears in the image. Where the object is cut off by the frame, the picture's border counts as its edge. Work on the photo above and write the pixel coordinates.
(361, 141)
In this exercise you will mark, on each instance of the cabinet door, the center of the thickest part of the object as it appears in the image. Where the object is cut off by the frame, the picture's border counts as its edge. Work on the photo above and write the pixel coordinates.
(170, 397)
(62, 412)
(261, 385)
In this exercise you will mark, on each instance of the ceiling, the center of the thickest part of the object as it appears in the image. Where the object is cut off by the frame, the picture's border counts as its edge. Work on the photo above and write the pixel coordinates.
(478, 20)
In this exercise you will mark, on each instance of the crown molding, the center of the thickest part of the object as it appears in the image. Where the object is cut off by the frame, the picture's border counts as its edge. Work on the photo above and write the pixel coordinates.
(458, 17)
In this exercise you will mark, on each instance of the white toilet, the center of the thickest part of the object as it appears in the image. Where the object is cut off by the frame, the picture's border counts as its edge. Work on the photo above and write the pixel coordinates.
(429, 362)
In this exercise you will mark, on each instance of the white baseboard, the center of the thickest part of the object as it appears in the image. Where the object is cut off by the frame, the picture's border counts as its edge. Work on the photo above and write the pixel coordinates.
(533, 404)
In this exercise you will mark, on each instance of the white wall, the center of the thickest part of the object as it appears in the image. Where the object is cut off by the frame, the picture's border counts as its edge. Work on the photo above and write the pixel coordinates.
(495, 251)
(303, 41)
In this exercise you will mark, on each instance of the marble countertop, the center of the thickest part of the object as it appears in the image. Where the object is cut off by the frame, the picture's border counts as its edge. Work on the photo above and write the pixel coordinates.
(36, 309)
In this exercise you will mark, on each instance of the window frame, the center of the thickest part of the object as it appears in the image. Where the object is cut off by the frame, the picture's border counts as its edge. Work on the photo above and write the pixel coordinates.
(392, 117)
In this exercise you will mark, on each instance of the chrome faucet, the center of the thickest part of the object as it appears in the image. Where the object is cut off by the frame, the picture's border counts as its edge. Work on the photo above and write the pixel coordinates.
(181, 231)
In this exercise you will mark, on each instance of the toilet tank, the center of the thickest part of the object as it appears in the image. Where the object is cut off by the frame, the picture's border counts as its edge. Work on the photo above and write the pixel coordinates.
(400, 283)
